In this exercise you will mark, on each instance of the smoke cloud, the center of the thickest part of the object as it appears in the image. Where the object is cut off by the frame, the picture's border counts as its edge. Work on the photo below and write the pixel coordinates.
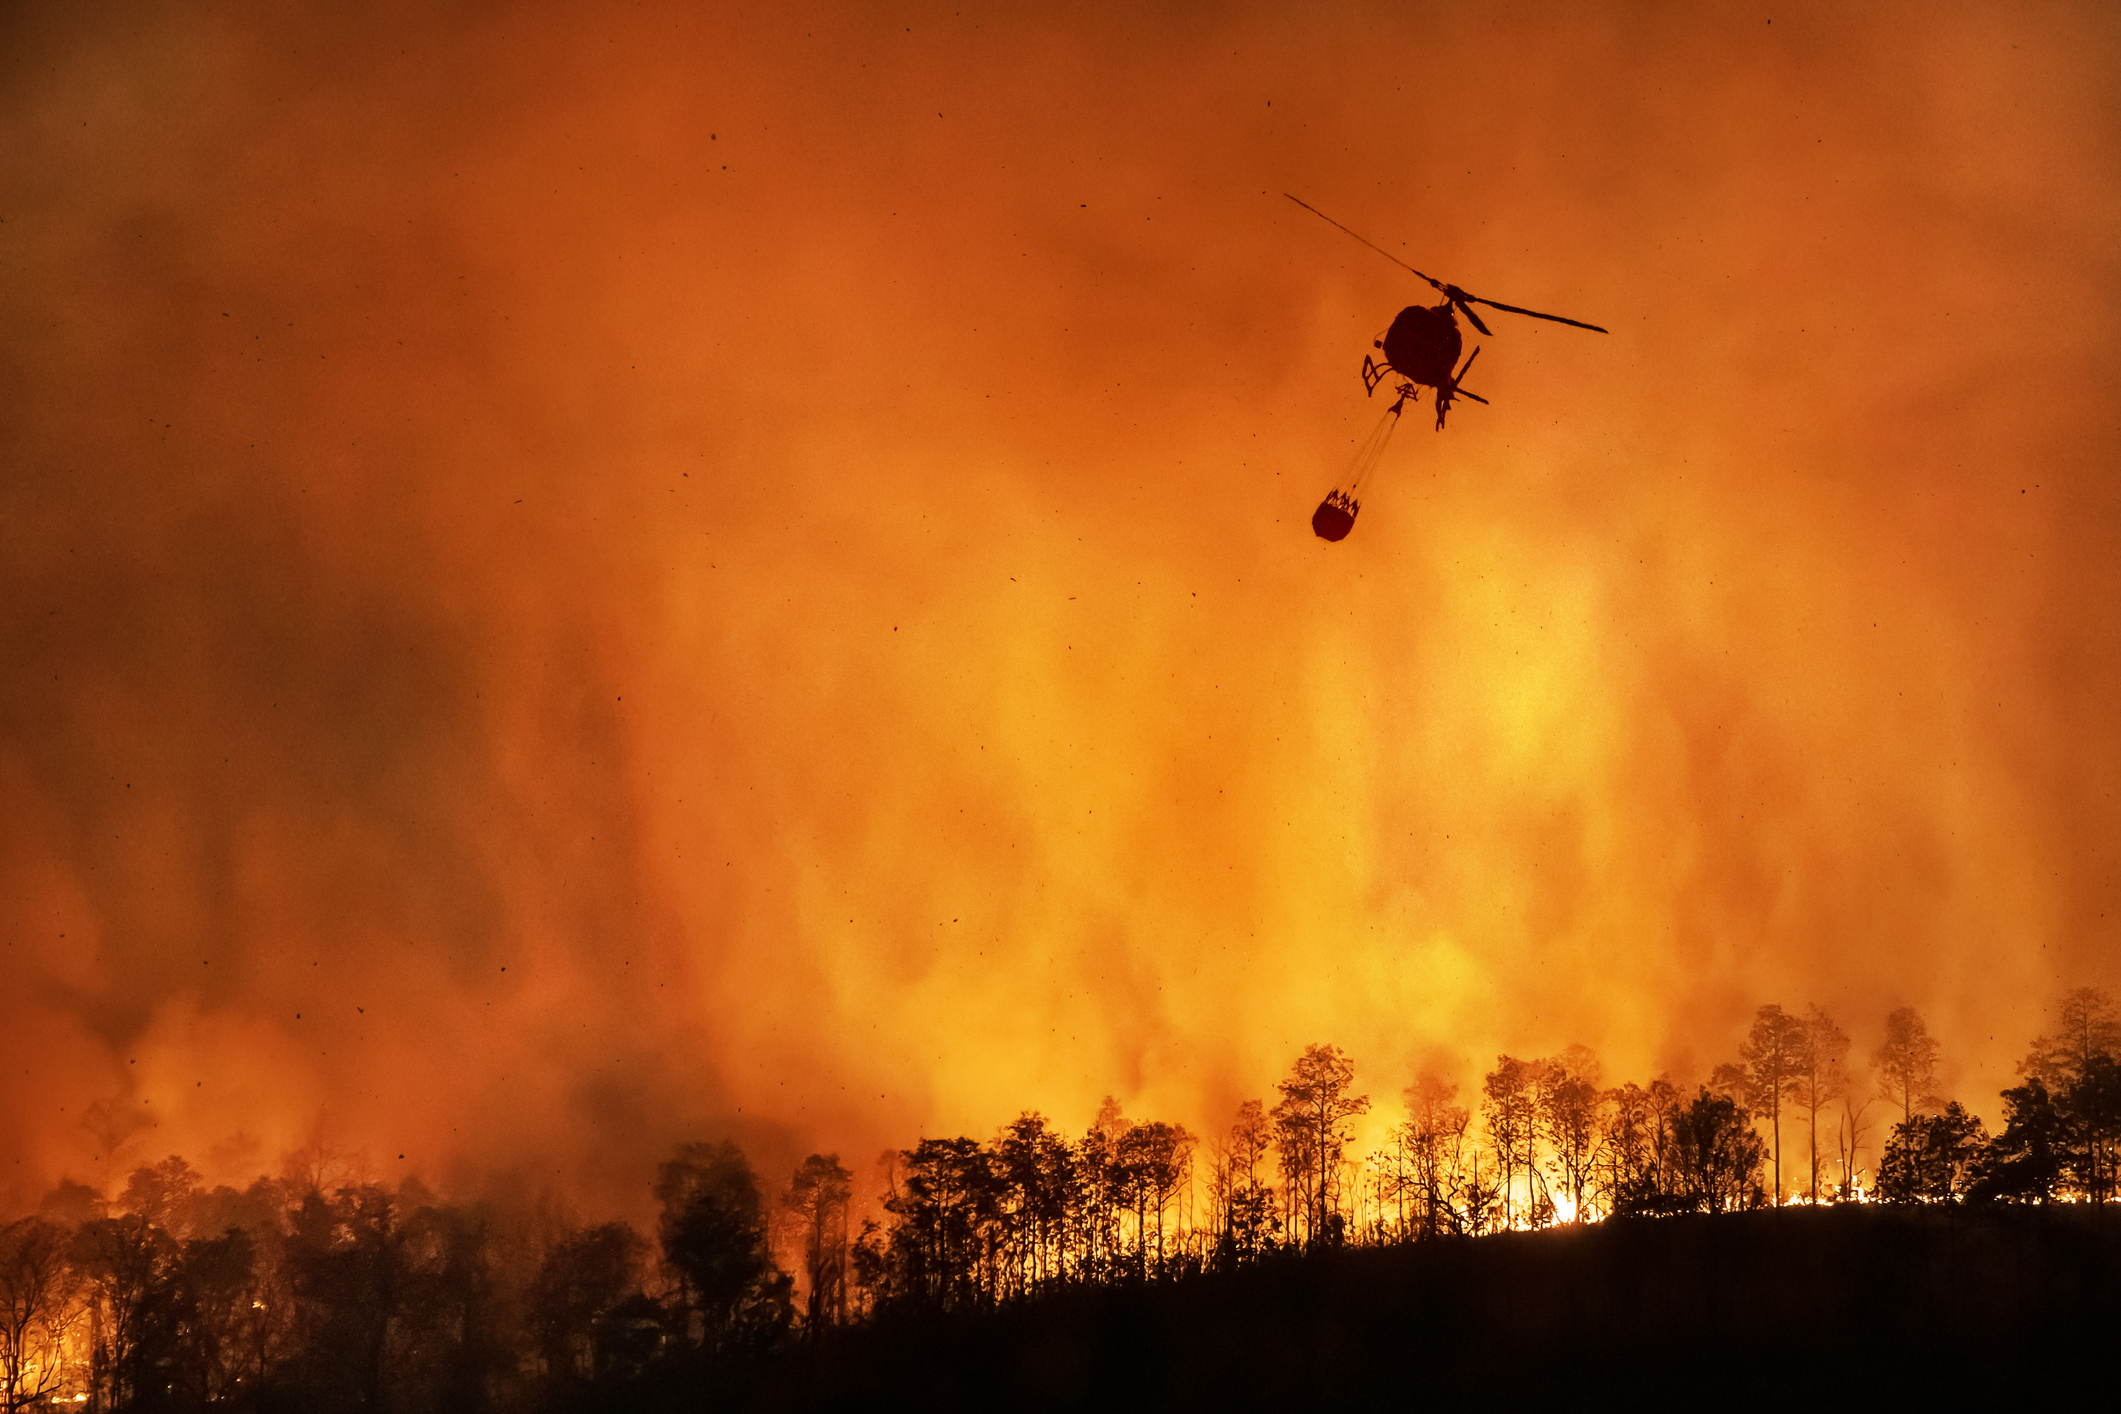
(570, 581)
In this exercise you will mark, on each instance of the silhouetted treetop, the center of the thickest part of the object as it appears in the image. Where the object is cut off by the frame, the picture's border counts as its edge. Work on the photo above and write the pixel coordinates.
(1906, 1063)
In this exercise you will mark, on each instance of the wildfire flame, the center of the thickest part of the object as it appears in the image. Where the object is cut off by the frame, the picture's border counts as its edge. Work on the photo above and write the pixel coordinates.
(754, 581)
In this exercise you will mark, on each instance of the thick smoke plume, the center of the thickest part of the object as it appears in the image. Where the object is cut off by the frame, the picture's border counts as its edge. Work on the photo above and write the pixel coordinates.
(573, 580)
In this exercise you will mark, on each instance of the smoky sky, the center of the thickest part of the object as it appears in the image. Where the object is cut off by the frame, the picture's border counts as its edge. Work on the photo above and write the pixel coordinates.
(574, 580)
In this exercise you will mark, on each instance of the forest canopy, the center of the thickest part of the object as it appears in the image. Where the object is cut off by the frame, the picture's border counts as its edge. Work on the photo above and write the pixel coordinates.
(319, 1289)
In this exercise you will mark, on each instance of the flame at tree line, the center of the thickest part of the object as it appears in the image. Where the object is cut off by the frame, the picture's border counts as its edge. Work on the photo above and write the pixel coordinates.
(327, 1290)
(749, 577)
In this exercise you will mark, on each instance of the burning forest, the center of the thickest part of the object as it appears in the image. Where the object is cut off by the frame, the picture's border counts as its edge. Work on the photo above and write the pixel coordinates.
(320, 1289)
(601, 614)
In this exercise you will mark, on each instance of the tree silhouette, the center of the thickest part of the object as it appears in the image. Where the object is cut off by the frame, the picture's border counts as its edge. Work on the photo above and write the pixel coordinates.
(162, 1194)
(2085, 1026)
(1906, 1063)
(2024, 1163)
(119, 1262)
(359, 1297)
(1821, 1080)
(1310, 1128)
(1714, 1158)
(1635, 1144)
(449, 1346)
(580, 1280)
(1099, 1198)
(1154, 1161)
(1241, 1204)
(2090, 1108)
(713, 1233)
(947, 1209)
(1436, 1142)
(1037, 1169)
(2075, 1062)
(1569, 1102)
(1509, 1104)
(1932, 1158)
(817, 1197)
(347, 1275)
(1848, 1135)
(1776, 1052)
(190, 1348)
(37, 1312)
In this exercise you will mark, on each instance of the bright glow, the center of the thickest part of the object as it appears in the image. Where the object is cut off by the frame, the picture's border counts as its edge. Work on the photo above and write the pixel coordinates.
(567, 607)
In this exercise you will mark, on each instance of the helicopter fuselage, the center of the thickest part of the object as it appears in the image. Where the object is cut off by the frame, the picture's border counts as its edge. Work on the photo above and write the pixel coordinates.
(1423, 344)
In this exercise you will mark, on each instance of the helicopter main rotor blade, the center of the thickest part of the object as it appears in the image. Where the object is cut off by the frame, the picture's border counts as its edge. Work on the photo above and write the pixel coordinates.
(1497, 304)
(1459, 298)
(1379, 249)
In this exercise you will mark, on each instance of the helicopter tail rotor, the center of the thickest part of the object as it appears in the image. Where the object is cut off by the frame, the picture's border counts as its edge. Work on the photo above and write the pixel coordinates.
(1458, 380)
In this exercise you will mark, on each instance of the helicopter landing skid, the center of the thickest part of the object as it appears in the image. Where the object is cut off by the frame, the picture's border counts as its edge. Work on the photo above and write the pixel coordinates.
(1373, 373)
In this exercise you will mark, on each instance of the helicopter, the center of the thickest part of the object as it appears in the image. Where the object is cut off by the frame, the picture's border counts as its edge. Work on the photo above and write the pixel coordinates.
(1421, 350)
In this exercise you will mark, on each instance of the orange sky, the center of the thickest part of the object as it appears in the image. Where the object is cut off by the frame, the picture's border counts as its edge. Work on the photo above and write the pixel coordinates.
(573, 582)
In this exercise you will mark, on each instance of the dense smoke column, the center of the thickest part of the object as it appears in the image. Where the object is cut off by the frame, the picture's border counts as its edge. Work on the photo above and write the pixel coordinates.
(748, 575)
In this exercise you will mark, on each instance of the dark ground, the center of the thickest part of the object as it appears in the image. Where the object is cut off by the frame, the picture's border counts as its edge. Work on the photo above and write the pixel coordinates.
(1841, 1308)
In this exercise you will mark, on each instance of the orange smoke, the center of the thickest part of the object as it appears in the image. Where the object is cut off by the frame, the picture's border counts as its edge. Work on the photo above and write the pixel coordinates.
(576, 582)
